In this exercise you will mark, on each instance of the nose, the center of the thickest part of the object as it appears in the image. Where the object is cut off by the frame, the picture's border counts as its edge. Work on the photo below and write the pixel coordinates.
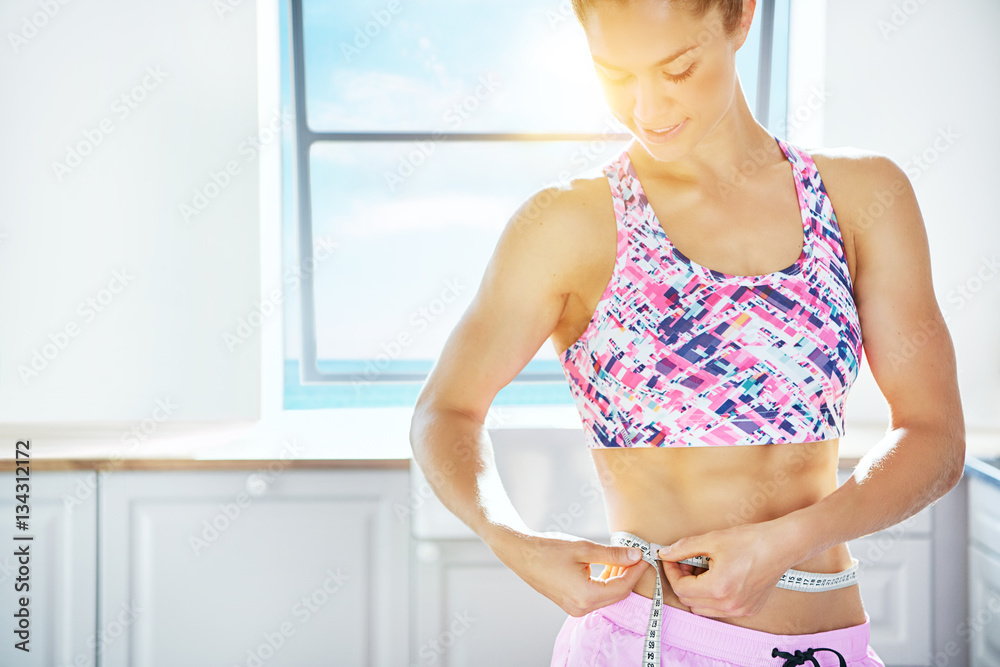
(650, 104)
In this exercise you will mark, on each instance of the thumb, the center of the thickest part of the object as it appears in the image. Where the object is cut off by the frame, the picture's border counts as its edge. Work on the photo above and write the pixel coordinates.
(667, 552)
(679, 550)
(622, 555)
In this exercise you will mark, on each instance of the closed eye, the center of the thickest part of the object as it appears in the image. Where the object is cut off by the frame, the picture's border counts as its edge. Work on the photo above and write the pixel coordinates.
(676, 78)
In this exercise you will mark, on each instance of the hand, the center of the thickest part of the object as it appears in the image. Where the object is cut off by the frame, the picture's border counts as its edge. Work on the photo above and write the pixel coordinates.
(747, 562)
(557, 565)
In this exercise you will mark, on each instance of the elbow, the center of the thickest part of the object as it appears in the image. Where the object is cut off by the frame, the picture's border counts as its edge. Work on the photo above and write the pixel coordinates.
(956, 469)
(418, 424)
(955, 479)
(946, 443)
(956, 439)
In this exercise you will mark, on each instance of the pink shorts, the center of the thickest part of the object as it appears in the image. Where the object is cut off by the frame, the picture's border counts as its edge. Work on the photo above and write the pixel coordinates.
(615, 634)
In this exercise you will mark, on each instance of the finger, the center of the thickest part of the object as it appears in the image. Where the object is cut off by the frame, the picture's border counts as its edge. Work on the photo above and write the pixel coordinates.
(592, 552)
(684, 583)
(692, 570)
(675, 574)
(611, 571)
(700, 602)
(708, 611)
(614, 589)
(616, 555)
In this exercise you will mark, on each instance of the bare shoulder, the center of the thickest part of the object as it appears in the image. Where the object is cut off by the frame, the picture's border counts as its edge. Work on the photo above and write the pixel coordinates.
(572, 224)
(857, 181)
(865, 187)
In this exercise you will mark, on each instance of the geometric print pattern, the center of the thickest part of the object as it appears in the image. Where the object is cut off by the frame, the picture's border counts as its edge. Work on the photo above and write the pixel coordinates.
(680, 355)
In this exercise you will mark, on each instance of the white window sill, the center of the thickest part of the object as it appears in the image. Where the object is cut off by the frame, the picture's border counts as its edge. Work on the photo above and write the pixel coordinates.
(365, 433)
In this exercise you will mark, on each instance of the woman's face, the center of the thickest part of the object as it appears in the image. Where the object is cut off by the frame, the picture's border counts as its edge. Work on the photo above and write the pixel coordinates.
(694, 90)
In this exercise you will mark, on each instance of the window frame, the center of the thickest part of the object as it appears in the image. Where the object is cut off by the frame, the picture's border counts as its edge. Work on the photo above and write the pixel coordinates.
(304, 138)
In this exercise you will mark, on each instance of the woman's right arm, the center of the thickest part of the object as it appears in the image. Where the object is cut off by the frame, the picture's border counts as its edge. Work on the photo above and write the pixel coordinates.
(525, 287)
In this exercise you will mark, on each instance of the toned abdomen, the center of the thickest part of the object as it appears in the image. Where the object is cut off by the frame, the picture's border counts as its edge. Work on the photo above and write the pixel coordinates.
(664, 494)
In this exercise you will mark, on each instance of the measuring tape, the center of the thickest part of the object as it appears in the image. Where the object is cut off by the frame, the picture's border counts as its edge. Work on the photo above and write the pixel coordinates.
(794, 580)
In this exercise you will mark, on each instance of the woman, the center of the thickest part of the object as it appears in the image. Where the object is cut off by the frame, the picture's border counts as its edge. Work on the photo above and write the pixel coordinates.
(712, 398)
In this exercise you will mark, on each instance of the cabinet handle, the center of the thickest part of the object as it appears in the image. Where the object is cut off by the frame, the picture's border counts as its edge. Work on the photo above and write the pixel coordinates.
(256, 485)
(428, 552)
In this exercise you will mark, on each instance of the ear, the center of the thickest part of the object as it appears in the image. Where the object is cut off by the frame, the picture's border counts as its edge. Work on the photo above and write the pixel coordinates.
(746, 21)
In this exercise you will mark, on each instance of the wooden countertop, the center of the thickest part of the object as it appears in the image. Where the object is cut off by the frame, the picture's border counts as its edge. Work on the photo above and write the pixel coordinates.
(42, 464)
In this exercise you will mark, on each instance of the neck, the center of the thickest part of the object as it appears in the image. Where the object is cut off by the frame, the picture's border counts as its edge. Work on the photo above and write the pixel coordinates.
(725, 151)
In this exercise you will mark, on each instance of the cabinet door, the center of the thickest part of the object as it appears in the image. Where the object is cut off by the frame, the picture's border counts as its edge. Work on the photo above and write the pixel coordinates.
(283, 568)
(61, 570)
(984, 514)
(471, 609)
(982, 628)
(895, 580)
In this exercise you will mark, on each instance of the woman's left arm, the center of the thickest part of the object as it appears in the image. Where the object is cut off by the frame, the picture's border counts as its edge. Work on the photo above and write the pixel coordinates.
(911, 356)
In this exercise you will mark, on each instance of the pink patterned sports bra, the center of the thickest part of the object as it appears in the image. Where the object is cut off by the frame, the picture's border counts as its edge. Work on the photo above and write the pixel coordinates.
(680, 355)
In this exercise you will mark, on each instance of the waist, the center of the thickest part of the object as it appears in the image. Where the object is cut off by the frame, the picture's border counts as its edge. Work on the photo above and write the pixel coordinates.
(792, 579)
(664, 495)
(803, 602)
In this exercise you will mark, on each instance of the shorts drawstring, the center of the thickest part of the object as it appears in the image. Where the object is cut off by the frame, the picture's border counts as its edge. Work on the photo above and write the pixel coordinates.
(800, 657)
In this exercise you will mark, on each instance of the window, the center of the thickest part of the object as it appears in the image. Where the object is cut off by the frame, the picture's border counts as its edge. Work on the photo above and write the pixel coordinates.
(420, 127)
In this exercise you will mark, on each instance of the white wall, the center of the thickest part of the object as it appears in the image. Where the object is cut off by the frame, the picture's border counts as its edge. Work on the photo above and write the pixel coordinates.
(63, 237)
(899, 76)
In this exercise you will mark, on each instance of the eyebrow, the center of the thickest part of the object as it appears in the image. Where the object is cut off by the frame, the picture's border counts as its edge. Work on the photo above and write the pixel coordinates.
(666, 60)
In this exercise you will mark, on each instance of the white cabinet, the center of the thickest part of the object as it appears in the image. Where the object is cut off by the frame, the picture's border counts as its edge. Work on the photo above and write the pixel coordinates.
(982, 628)
(895, 580)
(290, 568)
(984, 513)
(61, 570)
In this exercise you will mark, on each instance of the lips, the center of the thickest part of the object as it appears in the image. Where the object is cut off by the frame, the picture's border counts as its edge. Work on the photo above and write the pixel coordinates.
(661, 129)
(665, 135)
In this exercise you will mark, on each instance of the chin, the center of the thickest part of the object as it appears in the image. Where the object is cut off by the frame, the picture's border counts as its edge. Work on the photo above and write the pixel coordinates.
(666, 152)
